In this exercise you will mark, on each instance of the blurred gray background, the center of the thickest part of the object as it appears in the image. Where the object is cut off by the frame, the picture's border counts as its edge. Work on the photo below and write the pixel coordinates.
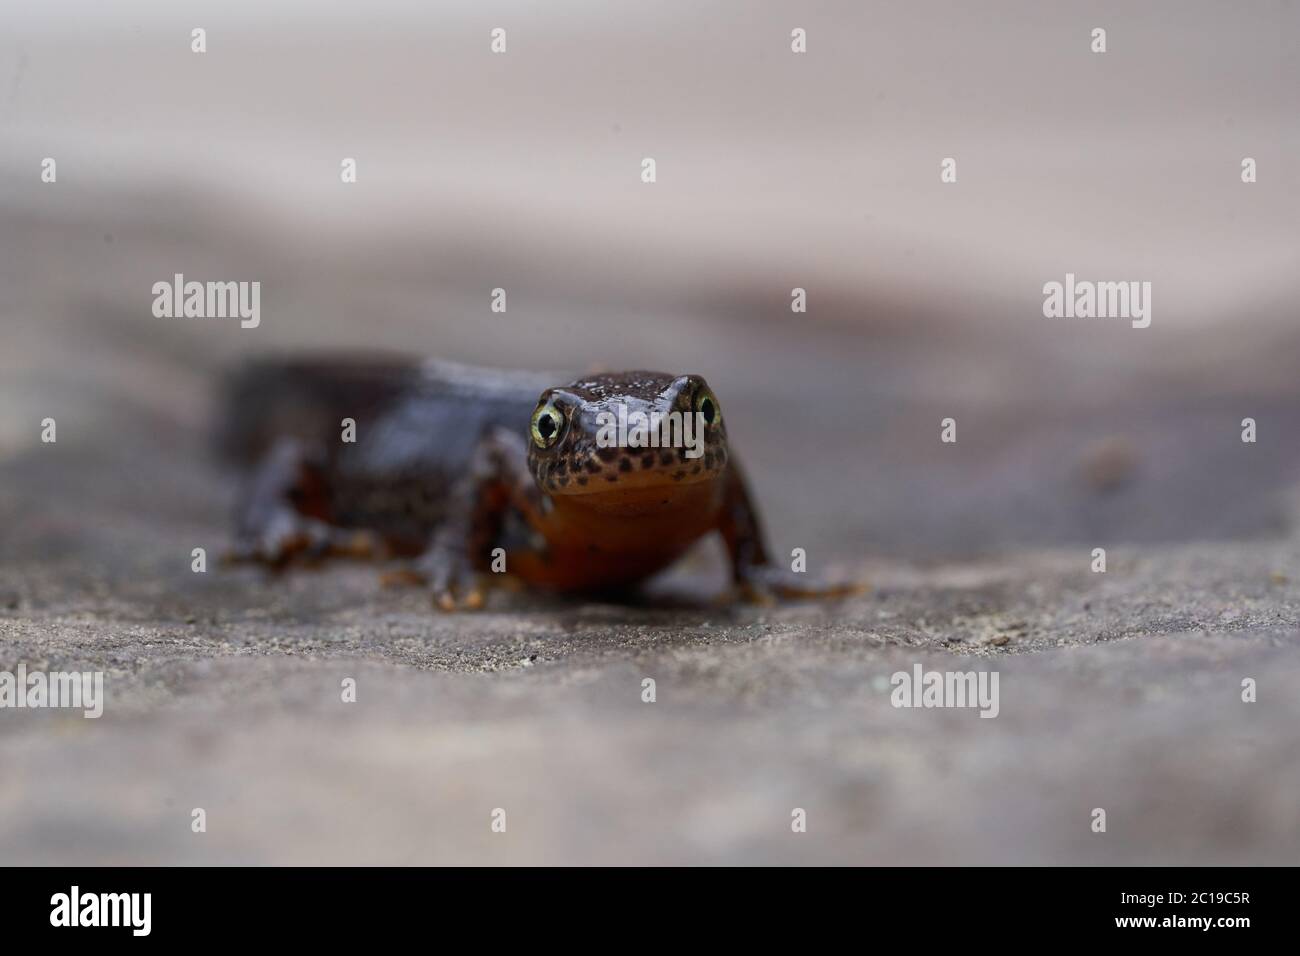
(775, 170)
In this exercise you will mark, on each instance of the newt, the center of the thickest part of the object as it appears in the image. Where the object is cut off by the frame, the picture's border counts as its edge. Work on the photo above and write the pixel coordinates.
(448, 463)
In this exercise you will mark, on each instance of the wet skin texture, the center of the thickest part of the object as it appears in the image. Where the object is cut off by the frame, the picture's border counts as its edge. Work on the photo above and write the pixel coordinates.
(450, 463)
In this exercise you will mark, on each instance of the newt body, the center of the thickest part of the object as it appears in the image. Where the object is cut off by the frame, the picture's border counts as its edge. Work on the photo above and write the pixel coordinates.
(450, 463)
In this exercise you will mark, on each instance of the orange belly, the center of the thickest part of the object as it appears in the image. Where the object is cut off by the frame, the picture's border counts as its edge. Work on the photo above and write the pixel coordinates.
(614, 539)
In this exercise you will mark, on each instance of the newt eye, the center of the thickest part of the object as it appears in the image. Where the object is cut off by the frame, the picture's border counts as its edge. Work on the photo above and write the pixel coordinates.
(548, 423)
(707, 406)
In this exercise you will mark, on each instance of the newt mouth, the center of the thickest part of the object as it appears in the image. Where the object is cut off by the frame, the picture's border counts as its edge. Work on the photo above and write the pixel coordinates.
(626, 469)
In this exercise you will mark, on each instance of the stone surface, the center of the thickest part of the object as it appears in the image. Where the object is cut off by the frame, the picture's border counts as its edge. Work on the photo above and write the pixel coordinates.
(1118, 690)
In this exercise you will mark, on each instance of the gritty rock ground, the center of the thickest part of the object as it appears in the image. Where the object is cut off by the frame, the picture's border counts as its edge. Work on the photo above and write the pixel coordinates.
(1119, 690)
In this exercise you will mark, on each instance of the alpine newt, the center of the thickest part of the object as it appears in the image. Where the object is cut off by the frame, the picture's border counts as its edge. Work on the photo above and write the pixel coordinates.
(449, 463)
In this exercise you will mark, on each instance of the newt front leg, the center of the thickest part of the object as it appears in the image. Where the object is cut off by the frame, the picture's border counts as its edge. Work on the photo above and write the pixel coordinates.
(752, 570)
(496, 486)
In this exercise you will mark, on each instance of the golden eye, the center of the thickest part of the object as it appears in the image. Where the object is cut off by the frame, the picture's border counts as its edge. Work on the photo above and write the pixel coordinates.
(707, 406)
(548, 423)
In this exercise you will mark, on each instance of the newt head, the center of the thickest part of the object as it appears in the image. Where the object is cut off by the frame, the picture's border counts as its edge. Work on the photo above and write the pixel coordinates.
(627, 436)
